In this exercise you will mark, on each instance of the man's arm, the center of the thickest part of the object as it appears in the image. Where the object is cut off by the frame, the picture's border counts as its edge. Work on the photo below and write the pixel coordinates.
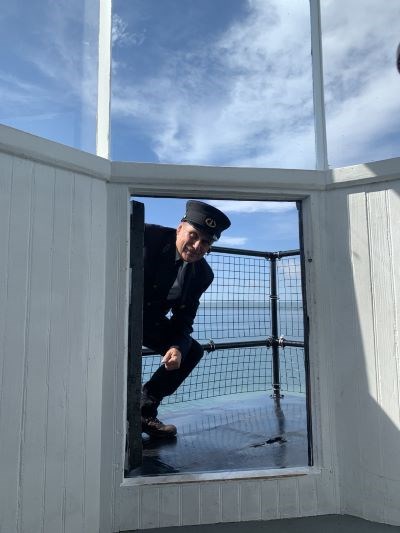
(183, 314)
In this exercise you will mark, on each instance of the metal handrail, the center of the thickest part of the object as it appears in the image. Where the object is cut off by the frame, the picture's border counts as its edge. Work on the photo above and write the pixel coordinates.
(275, 342)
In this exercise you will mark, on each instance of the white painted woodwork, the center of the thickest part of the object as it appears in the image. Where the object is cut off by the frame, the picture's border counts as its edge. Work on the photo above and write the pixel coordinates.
(170, 505)
(52, 279)
(28, 146)
(64, 241)
(365, 301)
(321, 148)
(216, 182)
(210, 506)
(269, 499)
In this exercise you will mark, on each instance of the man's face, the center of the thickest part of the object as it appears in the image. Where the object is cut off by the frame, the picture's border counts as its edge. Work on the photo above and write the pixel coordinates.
(191, 243)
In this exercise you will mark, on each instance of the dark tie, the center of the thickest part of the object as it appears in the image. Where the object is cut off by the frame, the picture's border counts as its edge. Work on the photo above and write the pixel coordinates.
(176, 289)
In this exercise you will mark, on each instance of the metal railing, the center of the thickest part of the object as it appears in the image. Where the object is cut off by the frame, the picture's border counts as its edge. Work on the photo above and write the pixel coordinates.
(260, 279)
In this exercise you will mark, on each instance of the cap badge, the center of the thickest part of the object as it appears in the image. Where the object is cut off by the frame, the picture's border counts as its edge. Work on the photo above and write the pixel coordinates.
(210, 222)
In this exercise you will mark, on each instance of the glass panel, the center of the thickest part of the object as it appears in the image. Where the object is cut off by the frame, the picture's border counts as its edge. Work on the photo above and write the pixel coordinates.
(362, 85)
(48, 69)
(213, 82)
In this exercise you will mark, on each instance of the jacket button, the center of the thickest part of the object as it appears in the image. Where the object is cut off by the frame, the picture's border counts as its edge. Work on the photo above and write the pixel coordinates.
(155, 286)
(148, 304)
(182, 306)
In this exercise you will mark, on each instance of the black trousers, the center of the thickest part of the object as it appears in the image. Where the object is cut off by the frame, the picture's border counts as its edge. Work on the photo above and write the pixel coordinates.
(165, 382)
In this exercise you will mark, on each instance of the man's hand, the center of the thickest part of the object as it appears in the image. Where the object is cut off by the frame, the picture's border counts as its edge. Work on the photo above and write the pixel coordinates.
(172, 359)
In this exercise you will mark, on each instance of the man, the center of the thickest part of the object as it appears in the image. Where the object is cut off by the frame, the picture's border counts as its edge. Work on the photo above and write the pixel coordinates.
(175, 276)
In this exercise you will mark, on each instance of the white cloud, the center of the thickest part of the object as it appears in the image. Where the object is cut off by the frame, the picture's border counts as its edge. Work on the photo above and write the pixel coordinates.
(245, 99)
(19, 96)
(120, 35)
(362, 85)
(54, 67)
(231, 241)
(232, 206)
(234, 100)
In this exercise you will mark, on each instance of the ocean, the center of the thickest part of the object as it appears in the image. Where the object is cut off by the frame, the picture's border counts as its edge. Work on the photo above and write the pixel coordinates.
(236, 370)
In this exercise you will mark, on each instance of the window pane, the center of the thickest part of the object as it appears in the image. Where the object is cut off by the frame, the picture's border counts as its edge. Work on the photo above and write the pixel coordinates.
(362, 85)
(48, 69)
(213, 82)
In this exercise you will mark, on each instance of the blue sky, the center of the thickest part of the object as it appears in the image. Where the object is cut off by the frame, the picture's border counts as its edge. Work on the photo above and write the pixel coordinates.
(266, 226)
(200, 83)
(213, 82)
(48, 69)
(217, 86)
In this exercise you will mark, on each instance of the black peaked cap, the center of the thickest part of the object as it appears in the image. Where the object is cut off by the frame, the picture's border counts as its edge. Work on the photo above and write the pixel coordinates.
(206, 218)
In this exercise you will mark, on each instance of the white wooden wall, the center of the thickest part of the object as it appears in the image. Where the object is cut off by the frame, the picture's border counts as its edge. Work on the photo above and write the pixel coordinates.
(364, 231)
(63, 342)
(52, 286)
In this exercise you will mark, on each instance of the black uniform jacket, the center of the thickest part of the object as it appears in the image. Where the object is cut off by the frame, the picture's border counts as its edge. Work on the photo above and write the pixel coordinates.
(159, 276)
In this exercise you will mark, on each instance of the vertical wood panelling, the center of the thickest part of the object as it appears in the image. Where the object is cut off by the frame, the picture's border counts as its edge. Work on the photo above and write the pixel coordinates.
(250, 500)
(190, 504)
(210, 503)
(149, 507)
(52, 309)
(327, 497)
(230, 501)
(394, 221)
(95, 347)
(77, 374)
(128, 511)
(170, 506)
(269, 499)
(33, 449)
(349, 364)
(112, 512)
(6, 163)
(386, 349)
(59, 347)
(308, 496)
(391, 501)
(288, 497)
(322, 336)
(394, 216)
(13, 346)
(113, 440)
(366, 379)
(367, 370)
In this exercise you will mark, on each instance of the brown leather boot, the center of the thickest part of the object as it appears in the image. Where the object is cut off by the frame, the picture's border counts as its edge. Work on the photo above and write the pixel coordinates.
(155, 428)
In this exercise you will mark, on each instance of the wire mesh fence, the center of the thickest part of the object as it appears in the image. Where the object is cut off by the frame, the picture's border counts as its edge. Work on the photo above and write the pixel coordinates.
(290, 303)
(237, 306)
(221, 372)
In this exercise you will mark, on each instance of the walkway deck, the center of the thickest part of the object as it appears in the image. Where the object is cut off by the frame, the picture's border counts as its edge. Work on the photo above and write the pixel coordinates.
(246, 431)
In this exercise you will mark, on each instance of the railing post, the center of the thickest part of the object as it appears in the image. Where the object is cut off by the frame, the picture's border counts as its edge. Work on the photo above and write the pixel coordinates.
(276, 385)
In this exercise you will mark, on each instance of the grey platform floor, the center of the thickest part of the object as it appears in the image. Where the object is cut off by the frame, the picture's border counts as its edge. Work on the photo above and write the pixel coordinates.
(242, 432)
(315, 524)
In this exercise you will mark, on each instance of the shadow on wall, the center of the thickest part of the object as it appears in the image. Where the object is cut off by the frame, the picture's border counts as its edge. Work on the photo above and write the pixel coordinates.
(364, 306)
